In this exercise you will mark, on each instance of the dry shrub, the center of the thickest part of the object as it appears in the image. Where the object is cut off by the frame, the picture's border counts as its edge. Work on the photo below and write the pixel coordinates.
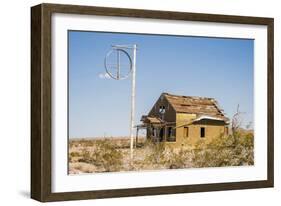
(232, 150)
(104, 155)
(73, 156)
(179, 158)
(155, 152)
(161, 156)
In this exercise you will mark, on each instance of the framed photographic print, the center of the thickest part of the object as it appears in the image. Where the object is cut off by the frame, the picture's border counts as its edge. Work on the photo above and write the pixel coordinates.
(130, 102)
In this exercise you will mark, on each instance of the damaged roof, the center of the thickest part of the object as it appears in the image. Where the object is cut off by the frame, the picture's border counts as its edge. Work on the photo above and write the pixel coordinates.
(152, 120)
(195, 105)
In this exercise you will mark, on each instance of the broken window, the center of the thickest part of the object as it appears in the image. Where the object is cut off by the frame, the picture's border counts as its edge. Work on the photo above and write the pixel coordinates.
(162, 109)
(171, 136)
(186, 131)
(202, 132)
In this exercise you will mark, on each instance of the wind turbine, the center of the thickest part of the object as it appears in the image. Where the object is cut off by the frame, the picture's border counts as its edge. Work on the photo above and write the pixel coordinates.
(119, 71)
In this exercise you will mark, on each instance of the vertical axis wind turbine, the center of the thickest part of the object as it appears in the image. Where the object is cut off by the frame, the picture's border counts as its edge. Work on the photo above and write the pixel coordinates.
(115, 72)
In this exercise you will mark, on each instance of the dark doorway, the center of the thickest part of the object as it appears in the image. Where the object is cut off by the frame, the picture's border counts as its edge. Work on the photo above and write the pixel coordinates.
(161, 134)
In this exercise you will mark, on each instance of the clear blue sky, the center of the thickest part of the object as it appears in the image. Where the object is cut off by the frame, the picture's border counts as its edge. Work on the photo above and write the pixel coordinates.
(191, 66)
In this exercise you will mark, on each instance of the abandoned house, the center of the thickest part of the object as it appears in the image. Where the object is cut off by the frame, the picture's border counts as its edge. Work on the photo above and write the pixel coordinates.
(184, 120)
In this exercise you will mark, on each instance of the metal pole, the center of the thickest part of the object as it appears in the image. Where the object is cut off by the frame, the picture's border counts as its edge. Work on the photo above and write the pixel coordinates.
(137, 134)
(132, 122)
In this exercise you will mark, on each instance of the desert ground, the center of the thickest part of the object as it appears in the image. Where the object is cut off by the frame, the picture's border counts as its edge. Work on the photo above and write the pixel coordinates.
(112, 154)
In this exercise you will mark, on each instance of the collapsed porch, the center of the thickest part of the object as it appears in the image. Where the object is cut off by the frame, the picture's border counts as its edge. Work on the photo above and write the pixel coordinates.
(157, 130)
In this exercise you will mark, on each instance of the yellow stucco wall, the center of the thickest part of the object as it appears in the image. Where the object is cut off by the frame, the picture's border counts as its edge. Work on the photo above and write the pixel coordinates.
(211, 131)
(182, 118)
